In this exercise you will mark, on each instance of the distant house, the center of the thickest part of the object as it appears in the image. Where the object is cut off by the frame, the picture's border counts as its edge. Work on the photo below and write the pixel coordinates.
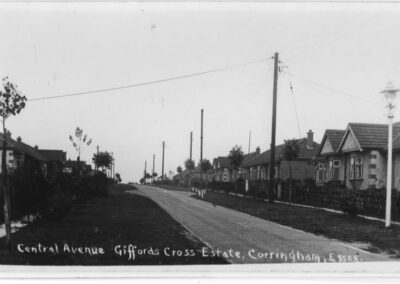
(329, 166)
(257, 168)
(55, 160)
(360, 160)
(73, 166)
(184, 177)
(224, 171)
(19, 152)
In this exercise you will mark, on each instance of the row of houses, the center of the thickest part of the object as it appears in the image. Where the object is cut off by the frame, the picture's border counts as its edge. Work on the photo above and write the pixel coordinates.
(48, 160)
(355, 157)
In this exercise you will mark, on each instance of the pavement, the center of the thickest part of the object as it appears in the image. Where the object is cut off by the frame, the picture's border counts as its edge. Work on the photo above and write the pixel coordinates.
(241, 238)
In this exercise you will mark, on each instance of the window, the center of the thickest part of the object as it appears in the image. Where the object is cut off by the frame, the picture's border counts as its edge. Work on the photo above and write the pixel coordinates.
(334, 166)
(356, 168)
(321, 171)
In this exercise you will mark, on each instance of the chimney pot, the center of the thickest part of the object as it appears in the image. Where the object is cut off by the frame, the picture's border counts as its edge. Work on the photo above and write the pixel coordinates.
(19, 139)
(258, 150)
(310, 139)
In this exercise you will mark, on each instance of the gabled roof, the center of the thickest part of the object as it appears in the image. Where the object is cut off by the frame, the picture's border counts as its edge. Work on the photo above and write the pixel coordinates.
(53, 155)
(370, 136)
(334, 136)
(222, 162)
(195, 171)
(264, 158)
(74, 164)
(225, 162)
(22, 147)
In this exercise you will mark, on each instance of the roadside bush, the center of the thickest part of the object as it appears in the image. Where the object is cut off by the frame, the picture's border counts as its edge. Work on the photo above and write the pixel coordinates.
(348, 202)
(31, 194)
(28, 190)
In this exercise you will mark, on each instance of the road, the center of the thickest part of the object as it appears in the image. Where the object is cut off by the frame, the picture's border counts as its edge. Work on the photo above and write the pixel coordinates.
(242, 238)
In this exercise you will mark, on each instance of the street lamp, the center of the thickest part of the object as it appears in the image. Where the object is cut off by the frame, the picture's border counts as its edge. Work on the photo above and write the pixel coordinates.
(390, 94)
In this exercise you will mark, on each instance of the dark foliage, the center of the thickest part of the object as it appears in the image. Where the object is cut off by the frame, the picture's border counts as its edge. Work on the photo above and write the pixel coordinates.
(33, 194)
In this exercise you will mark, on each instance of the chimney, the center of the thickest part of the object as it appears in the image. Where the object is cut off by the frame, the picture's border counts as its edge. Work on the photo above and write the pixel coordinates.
(258, 150)
(8, 134)
(310, 139)
(19, 140)
(36, 147)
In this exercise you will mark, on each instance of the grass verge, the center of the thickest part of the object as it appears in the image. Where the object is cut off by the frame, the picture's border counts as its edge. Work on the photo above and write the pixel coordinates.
(319, 222)
(128, 228)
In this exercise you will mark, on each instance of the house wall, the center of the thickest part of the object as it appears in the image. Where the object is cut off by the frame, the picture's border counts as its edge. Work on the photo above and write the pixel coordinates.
(300, 170)
(11, 160)
(330, 172)
(226, 175)
(381, 170)
(374, 170)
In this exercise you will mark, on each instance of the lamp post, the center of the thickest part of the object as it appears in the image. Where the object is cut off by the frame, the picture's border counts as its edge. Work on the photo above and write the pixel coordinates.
(389, 94)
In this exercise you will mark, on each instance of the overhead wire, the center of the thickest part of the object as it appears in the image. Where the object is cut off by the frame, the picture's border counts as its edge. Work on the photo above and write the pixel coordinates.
(295, 105)
(150, 82)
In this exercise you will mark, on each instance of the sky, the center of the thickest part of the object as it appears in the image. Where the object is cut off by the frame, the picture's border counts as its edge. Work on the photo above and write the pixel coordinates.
(337, 57)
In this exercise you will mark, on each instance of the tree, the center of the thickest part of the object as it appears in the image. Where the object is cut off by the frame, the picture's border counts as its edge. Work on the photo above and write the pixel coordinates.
(205, 167)
(102, 160)
(11, 103)
(179, 169)
(118, 177)
(236, 157)
(79, 140)
(189, 164)
(290, 153)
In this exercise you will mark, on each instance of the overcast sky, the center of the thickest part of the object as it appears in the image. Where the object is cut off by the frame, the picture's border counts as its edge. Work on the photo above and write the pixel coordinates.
(56, 49)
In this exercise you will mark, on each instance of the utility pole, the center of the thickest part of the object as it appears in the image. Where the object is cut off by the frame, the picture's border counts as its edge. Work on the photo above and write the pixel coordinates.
(249, 142)
(271, 187)
(201, 148)
(190, 158)
(152, 172)
(95, 165)
(112, 165)
(6, 191)
(162, 168)
(145, 170)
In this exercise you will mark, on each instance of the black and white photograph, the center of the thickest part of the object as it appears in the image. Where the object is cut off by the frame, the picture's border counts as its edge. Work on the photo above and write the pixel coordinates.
(201, 136)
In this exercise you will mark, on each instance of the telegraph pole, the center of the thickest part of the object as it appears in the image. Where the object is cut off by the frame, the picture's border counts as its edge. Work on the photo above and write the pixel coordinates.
(6, 191)
(201, 149)
(152, 171)
(190, 158)
(97, 155)
(112, 165)
(249, 142)
(145, 170)
(162, 168)
(271, 186)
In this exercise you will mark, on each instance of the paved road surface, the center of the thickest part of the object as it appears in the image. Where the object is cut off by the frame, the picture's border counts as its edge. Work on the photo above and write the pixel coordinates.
(242, 238)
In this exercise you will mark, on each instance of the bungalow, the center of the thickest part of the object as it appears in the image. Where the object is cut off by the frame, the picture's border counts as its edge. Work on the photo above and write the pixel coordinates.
(184, 176)
(329, 162)
(72, 166)
(360, 159)
(55, 160)
(257, 168)
(18, 152)
(224, 171)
